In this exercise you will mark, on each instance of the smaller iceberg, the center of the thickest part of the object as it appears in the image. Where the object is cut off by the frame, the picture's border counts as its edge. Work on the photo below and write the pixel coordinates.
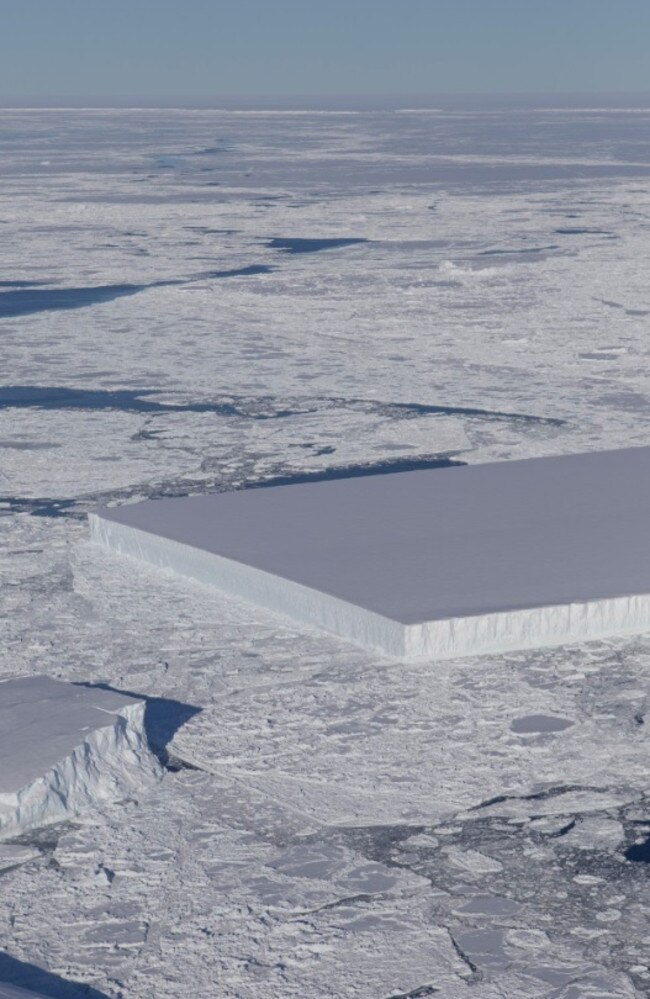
(65, 747)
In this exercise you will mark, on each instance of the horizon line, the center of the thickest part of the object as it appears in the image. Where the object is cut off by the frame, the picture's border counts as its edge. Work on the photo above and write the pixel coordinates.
(315, 101)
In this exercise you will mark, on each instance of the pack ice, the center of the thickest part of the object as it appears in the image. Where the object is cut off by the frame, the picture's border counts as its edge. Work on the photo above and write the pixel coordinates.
(436, 563)
(64, 747)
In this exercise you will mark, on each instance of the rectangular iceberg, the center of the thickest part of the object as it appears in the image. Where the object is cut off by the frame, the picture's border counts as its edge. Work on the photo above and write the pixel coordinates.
(433, 564)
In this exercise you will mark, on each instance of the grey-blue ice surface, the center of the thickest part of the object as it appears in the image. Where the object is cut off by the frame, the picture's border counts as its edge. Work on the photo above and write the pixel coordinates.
(329, 823)
(428, 564)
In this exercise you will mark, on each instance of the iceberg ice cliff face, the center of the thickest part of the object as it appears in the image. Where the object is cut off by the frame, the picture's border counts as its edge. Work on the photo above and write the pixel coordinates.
(431, 564)
(530, 628)
(302, 603)
(65, 748)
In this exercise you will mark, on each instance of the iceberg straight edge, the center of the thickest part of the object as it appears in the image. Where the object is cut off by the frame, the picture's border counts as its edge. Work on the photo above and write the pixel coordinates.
(529, 628)
(447, 638)
(298, 602)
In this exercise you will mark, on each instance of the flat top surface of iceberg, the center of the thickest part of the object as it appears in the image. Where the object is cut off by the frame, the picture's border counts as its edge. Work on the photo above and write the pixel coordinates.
(428, 545)
(43, 720)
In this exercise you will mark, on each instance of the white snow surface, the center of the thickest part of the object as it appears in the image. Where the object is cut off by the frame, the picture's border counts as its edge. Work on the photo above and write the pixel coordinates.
(64, 748)
(332, 823)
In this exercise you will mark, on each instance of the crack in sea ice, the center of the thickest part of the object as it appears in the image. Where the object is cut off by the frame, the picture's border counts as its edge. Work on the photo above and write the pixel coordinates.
(311, 245)
(552, 792)
(135, 400)
(28, 298)
(391, 467)
(127, 401)
(19, 302)
(476, 975)
(492, 414)
(418, 993)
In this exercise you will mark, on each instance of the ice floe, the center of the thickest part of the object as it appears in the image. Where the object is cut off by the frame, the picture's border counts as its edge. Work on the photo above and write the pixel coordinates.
(64, 747)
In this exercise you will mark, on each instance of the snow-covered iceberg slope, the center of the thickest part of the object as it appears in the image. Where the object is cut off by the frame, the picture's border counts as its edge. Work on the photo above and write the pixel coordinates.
(64, 747)
(436, 564)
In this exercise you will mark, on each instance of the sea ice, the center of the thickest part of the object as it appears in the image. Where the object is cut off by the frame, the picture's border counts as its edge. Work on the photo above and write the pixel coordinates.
(347, 357)
(64, 747)
(437, 563)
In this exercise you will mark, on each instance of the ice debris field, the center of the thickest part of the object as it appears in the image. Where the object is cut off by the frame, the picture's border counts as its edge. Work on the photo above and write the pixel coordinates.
(435, 564)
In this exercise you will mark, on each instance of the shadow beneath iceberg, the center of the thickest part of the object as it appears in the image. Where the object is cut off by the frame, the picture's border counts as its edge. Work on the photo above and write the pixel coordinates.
(162, 717)
(41, 983)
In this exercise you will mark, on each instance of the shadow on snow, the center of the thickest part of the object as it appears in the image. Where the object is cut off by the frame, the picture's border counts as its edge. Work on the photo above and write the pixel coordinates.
(162, 717)
(29, 976)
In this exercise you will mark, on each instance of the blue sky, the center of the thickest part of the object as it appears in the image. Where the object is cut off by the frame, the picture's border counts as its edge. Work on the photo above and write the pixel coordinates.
(154, 48)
